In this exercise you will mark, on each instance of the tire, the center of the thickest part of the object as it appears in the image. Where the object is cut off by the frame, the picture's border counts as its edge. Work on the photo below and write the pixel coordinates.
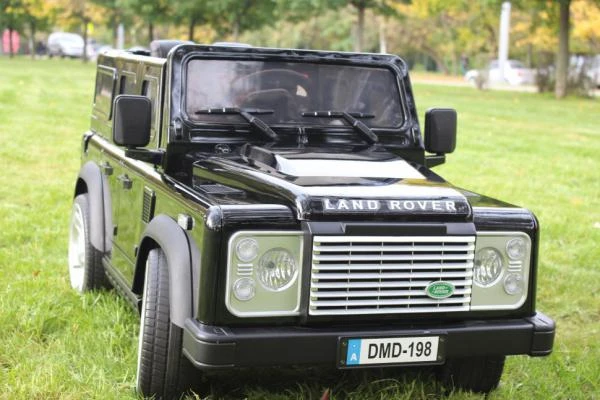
(477, 374)
(86, 271)
(162, 370)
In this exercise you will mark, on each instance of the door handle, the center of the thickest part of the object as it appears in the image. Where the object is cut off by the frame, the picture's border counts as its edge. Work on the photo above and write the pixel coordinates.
(125, 181)
(106, 168)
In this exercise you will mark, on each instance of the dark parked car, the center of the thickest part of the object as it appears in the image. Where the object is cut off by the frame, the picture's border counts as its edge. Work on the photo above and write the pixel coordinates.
(274, 207)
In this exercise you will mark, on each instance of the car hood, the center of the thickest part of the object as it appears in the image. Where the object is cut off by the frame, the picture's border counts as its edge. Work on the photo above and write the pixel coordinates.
(324, 185)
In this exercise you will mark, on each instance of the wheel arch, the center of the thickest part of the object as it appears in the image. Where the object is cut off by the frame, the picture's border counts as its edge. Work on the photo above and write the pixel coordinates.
(181, 253)
(90, 180)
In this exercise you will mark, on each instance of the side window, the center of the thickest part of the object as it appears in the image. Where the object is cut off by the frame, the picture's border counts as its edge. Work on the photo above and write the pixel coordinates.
(105, 90)
(150, 90)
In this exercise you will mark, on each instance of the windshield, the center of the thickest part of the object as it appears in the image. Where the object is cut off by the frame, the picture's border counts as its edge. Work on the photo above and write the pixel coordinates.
(290, 89)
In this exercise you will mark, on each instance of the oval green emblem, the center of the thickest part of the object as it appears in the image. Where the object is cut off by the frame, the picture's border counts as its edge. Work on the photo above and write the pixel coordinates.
(439, 290)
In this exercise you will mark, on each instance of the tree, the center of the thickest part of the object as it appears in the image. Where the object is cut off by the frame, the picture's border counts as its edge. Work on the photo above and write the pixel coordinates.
(193, 13)
(562, 56)
(12, 17)
(234, 16)
(151, 11)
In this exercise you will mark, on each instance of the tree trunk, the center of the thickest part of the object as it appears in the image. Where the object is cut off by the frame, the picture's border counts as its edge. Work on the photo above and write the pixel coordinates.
(32, 39)
(84, 57)
(11, 50)
(115, 34)
(236, 30)
(439, 62)
(562, 58)
(360, 27)
(382, 38)
(150, 32)
(191, 29)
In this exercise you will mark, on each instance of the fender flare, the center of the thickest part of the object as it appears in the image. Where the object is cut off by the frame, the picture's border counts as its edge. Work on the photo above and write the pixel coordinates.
(90, 180)
(181, 254)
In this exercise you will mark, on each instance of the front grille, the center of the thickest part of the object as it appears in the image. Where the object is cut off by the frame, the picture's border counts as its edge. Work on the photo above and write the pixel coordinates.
(354, 275)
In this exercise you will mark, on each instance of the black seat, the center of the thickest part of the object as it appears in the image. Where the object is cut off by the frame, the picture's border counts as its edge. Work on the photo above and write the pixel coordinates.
(160, 48)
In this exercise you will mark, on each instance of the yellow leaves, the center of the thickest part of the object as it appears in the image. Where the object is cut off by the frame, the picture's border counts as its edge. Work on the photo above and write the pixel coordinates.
(585, 18)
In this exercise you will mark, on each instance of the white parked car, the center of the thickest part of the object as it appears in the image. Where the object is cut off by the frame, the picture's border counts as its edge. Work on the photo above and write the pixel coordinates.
(63, 44)
(515, 73)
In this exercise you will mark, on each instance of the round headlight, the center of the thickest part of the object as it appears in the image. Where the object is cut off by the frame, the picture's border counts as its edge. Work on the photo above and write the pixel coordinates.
(246, 249)
(516, 248)
(243, 289)
(276, 269)
(487, 266)
(513, 284)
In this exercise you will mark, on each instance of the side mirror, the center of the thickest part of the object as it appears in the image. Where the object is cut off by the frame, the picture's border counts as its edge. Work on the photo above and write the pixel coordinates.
(440, 130)
(132, 120)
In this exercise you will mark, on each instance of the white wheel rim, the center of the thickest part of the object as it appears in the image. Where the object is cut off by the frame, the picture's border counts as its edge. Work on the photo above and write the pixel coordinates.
(141, 334)
(77, 246)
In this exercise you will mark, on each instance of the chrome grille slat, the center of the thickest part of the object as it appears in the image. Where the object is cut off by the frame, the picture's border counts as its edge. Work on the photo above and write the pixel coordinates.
(385, 293)
(390, 302)
(395, 266)
(399, 275)
(387, 284)
(386, 257)
(354, 249)
(354, 275)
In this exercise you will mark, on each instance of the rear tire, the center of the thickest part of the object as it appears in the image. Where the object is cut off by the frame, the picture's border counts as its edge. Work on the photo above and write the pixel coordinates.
(477, 374)
(162, 371)
(86, 271)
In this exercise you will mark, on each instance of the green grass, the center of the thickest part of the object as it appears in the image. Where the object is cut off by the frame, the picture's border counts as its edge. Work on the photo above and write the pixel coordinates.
(526, 149)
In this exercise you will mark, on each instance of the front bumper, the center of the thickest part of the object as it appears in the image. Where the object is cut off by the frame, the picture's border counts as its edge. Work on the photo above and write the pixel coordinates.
(212, 347)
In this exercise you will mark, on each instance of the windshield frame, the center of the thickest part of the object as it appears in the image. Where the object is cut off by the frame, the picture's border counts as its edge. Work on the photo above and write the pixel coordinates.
(243, 126)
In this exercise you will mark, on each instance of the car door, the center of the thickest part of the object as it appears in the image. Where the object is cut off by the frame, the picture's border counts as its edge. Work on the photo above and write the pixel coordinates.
(126, 197)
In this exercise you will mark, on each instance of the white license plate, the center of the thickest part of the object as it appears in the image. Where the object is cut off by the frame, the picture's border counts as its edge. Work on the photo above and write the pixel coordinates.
(399, 350)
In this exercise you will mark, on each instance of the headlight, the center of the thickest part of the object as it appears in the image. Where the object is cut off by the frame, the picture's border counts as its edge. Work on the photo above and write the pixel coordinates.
(513, 284)
(515, 248)
(244, 289)
(276, 269)
(501, 268)
(487, 266)
(263, 273)
(246, 249)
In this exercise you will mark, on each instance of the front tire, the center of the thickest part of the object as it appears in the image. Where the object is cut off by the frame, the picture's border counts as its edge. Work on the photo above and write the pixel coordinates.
(162, 370)
(477, 374)
(86, 271)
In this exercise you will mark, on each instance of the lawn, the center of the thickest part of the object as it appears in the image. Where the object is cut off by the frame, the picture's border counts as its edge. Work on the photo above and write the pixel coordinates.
(527, 149)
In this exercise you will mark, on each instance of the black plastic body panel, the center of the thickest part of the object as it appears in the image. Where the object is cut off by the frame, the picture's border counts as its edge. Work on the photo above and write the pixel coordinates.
(212, 347)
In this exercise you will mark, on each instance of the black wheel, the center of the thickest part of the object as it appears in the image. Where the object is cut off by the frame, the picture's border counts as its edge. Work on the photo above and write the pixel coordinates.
(85, 261)
(162, 370)
(477, 374)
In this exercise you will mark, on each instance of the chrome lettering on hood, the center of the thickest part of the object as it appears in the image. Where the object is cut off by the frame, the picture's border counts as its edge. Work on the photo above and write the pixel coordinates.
(344, 205)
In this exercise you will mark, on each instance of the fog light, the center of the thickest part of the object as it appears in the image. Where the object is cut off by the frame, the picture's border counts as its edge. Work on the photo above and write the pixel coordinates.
(276, 269)
(516, 248)
(246, 250)
(244, 289)
(487, 266)
(513, 284)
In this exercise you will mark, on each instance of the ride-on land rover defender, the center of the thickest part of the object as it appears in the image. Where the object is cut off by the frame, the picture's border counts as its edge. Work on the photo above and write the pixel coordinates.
(273, 207)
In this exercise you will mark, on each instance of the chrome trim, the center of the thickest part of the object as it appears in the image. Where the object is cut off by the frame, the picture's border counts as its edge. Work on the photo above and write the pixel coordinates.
(357, 275)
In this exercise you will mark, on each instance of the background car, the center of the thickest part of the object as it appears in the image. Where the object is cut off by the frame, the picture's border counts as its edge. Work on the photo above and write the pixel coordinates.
(515, 73)
(63, 44)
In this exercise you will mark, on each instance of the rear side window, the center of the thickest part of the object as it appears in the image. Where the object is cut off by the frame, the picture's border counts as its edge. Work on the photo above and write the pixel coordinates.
(105, 90)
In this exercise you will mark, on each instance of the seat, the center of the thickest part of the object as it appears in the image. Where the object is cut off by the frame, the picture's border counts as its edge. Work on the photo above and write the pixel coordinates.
(160, 48)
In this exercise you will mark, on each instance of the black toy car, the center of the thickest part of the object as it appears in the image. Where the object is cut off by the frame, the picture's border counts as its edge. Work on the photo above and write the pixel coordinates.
(273, 207)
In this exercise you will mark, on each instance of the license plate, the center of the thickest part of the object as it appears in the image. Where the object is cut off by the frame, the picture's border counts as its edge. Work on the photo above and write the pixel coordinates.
(398, 350)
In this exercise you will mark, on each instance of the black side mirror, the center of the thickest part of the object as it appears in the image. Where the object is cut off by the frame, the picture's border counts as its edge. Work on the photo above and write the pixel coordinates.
(131, 120)
(440, 130)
